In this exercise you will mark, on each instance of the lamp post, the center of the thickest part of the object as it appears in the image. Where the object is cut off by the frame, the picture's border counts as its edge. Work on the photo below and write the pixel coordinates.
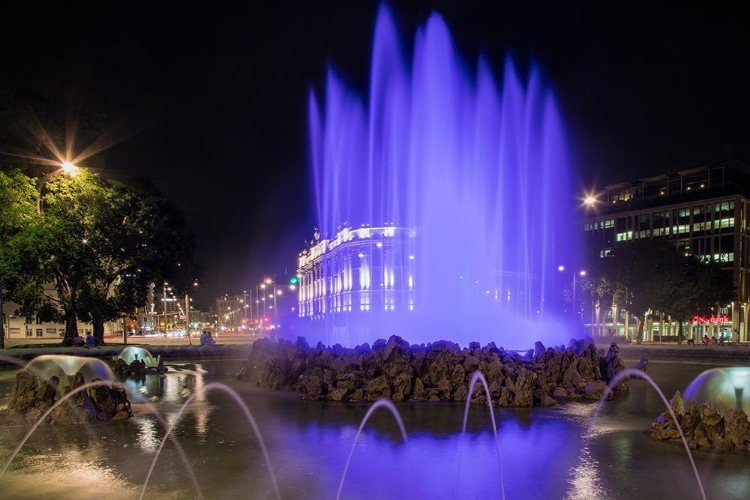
(244, 308)
(164, 299)
(187, 318)
(579, 273)
(187, 314)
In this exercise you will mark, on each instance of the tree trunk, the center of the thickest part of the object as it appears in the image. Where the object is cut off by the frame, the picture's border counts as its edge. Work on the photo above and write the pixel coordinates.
(98, 326)
(639, 329)
(71, 324)
(2, 325)
(615, 317)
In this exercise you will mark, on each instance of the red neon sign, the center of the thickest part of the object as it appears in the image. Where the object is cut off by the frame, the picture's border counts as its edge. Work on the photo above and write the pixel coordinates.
(712, 320)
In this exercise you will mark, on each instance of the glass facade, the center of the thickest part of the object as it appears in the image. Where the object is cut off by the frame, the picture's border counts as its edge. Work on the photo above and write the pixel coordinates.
(703, 211)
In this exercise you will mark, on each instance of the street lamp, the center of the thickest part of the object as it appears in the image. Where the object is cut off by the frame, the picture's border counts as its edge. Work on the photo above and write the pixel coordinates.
(187, 313)
(244, 307)
(69, 168)
(581, 273)
(66, 167)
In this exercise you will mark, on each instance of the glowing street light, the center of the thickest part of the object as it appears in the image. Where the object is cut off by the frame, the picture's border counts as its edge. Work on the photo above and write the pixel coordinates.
(69, 168)
(581, 273)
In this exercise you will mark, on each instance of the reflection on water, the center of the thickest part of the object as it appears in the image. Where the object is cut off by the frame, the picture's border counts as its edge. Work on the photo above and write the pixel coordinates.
(545, 452)
(585, 481)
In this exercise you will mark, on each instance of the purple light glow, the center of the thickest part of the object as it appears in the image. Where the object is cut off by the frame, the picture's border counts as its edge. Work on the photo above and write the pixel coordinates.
(480, 171)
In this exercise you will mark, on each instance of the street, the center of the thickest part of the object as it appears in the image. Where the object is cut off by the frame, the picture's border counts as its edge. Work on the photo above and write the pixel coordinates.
(220, 338)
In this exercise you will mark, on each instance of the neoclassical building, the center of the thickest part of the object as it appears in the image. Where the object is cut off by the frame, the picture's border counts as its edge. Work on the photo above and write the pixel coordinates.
(360, 277)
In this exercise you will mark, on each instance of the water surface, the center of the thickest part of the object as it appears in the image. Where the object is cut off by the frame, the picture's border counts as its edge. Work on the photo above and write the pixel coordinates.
(544, 451)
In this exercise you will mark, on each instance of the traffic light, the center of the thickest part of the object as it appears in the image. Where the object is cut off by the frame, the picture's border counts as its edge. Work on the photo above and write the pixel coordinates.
(294, 280)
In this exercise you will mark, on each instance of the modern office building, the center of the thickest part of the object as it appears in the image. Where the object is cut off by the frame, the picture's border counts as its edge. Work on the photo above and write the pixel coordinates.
(703, 211)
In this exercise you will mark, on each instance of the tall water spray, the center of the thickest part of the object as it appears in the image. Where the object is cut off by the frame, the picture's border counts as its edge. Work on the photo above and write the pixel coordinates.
(475, 170)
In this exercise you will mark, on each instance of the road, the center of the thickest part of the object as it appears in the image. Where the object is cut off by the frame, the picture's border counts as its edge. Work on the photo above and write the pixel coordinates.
(139, 340)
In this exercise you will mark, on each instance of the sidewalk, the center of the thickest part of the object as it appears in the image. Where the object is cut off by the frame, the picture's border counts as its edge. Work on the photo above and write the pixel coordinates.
(656, 351)
(135, 340)
(22, 350)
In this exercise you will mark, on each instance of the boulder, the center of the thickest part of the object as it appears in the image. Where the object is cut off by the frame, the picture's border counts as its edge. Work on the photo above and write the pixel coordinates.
(439, 371)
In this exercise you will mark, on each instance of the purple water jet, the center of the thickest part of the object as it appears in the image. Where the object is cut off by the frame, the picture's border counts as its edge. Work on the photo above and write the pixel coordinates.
(450, 192)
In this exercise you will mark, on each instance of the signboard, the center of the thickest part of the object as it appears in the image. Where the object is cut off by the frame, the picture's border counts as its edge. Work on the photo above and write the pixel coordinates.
(714, 320)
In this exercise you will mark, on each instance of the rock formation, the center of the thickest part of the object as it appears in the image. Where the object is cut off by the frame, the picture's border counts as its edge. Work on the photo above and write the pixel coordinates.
(137, 368)
(439, 371)
(704, 427)
(33, 397)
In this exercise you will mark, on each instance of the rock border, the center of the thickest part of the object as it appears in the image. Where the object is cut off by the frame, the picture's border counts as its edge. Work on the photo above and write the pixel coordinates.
(439, 371)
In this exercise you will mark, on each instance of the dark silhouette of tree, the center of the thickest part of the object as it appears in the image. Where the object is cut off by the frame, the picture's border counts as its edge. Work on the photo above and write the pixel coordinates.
(654, 275)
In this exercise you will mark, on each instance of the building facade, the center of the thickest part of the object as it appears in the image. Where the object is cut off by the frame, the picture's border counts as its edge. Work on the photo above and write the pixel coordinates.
(16, 326)
(360, 278)
(703, 211)
(232, 313)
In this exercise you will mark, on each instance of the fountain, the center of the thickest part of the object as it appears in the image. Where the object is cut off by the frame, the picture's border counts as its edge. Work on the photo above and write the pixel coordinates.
(136, 361)
(279, 447)
(466, 175)
(132, 353)
(712, 415)
(726, 388)
(48, 380)
(49, 365)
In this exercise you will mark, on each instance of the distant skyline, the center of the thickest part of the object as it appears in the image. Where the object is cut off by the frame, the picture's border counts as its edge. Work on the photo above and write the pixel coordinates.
(211, 103)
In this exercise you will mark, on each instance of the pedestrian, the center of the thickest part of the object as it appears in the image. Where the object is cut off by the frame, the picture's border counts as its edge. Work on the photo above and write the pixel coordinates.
(206, 338)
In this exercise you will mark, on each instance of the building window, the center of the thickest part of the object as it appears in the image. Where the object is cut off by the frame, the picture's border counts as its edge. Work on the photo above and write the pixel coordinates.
(724, 257)
(625, 236)
(724, 223)
(39, 332)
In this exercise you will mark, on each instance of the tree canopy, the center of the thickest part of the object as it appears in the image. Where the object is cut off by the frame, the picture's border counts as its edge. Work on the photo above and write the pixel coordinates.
(654, 275)
(79, 246)
(100, 243)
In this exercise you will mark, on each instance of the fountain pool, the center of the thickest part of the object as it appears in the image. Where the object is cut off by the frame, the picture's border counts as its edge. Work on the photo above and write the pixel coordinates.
(544, 452)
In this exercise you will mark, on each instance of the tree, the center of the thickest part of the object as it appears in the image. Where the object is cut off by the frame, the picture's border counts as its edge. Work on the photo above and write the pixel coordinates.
(654, 275)
(697, 289)
(17, 199)
(101, 244)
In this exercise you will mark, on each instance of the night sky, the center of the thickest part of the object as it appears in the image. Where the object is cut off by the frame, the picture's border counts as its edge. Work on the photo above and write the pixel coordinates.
(210, 102)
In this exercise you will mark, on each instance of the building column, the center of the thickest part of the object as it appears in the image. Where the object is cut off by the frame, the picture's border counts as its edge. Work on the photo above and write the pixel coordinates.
(627, 325)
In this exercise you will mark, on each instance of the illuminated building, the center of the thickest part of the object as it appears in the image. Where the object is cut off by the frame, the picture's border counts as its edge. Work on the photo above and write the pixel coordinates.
(704, 211)
(359, 278)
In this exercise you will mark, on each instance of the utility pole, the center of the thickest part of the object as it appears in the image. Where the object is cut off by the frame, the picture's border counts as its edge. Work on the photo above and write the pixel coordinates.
(187, 318)
(164, 298)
